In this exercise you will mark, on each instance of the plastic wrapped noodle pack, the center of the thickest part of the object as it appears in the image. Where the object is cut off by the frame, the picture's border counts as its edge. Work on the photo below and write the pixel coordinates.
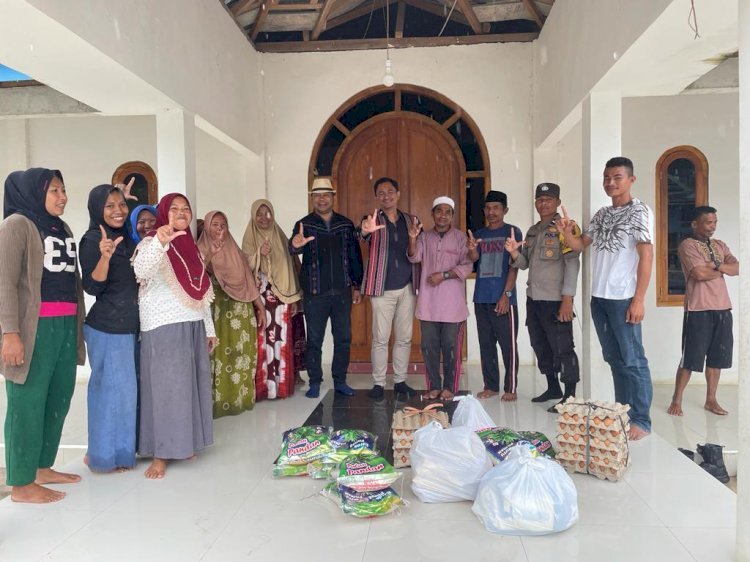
(500, 440)
(301, 446)
(447, 464)
(365, 504)
(344, 442)
(527, 494)
(366, 473)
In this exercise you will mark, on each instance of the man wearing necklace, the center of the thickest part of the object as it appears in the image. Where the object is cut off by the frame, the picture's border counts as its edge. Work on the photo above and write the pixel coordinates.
(622, 256)
(707, 321)
(330, 277)
(441, 301)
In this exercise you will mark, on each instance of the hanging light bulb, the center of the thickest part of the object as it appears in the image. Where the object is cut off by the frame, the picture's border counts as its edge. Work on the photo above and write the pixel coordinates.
(388, 79)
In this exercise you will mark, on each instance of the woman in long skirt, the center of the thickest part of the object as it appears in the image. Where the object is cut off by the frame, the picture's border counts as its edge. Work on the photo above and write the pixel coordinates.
(235, 309)
(281, 344)
(177, 336)
(111, 331)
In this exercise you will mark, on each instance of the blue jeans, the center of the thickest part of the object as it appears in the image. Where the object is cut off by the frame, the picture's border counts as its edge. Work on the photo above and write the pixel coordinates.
(623, 351)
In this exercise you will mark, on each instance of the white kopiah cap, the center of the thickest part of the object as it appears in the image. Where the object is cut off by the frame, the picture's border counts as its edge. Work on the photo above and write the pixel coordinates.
(444, 200)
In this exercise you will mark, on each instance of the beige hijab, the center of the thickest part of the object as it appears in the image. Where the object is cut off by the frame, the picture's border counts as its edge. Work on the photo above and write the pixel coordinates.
(229, 265)
(278, 266)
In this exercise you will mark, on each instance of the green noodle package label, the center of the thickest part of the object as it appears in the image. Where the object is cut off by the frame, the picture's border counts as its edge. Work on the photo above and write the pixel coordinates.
(302, 446)
(369, 504)
(353, 440)
(499, 440)
(366, 473)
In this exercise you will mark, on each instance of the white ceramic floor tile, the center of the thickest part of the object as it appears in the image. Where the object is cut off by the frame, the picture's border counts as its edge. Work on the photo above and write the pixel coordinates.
(707, 545)
(610, 543)
(596, 499)
(438, 540)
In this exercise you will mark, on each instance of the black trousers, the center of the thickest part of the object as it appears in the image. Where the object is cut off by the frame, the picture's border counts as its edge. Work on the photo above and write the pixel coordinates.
(494, 329)
(552, 340)
(442, 339)
(318, 309)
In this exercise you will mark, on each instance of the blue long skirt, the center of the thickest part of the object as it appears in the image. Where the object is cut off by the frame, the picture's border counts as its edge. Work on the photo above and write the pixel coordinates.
(112, 399)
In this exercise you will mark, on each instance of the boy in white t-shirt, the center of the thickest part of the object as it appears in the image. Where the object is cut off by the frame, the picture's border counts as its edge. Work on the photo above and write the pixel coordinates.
(622, 256)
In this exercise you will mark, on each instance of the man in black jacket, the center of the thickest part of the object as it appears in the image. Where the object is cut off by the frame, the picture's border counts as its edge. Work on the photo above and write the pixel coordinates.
(331, 275)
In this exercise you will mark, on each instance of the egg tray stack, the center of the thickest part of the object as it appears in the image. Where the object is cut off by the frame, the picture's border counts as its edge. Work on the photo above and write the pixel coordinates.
(406, 422)
(593, 438)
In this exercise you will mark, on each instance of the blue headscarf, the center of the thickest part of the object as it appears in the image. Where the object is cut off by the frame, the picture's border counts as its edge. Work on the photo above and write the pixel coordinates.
(134, 220)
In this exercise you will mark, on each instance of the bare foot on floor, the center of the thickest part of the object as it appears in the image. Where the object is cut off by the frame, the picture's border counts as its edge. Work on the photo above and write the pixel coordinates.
(157, 469)
(509, 397)
(636, 433)
(432, 394)
(675, 408)
(487, 394)
(713, 406)
(446, 395)
(34, 493)
(49, 476)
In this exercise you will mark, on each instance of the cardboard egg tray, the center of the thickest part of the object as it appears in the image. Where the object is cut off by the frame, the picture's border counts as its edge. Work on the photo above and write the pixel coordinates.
(592, 438)
(405, 423)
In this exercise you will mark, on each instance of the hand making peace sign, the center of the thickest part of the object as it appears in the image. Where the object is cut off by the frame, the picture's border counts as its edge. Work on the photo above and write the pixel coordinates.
(370, 223)
(511, 244)
(414, 228)
(564, 224)
(126, 189)
(107, 246)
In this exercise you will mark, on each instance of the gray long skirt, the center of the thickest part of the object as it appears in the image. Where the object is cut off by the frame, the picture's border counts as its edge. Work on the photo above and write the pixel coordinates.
(176, 418)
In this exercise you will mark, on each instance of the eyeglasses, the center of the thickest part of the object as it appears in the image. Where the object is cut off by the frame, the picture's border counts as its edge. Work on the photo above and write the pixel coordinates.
(383, 194)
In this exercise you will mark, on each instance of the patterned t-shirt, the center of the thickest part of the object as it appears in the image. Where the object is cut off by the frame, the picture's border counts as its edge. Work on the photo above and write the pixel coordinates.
(59, 273)
(494, 263)
(615, 232)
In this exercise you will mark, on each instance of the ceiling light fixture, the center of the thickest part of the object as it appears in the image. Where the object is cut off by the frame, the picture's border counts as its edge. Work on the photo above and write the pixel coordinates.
(388, 78)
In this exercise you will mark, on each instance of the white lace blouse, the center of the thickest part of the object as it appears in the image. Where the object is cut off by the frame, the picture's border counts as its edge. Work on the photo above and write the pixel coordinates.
(161, 300)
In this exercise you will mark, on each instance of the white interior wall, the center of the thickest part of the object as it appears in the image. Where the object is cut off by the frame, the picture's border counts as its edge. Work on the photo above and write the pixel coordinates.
(491, 82)
(650, 127)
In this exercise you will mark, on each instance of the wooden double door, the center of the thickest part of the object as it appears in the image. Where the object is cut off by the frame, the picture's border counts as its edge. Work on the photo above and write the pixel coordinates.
(426, 162)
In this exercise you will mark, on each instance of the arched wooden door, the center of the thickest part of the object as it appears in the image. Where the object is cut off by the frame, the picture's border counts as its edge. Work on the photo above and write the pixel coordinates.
(427, 163)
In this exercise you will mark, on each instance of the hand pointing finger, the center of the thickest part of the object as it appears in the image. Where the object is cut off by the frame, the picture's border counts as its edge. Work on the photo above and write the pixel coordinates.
(104, 233)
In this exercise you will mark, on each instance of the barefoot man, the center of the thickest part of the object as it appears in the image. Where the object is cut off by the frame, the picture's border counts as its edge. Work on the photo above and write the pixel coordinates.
(495, 297)
(621, 262)
(707, 321)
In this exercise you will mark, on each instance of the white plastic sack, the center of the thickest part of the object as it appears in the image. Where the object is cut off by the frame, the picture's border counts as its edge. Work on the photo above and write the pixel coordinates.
(447, 464)
(526, 495)
(470, 413)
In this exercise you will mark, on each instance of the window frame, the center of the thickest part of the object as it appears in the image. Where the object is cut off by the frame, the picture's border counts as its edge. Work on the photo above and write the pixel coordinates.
(699, 160)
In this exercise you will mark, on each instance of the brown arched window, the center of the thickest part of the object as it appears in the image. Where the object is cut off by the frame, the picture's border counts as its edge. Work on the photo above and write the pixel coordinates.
(146, 186)
(681, 185)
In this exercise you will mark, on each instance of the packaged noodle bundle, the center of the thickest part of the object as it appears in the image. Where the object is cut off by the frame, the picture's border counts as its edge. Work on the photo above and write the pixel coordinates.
(364, 504)
(500, 440)
(301, 446)
(366, 473)
(344, 442)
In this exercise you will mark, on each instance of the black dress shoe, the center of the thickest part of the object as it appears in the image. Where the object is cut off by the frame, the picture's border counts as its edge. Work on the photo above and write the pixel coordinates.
(376, 392)
(548, 395)
(403, 388)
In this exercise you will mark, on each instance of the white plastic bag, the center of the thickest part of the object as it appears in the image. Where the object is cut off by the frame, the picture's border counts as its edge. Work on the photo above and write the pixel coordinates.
(526, 495)
(447, 464)
(470, 413)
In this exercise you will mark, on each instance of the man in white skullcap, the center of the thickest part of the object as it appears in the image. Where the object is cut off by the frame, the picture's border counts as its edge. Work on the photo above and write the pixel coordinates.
(441, 301)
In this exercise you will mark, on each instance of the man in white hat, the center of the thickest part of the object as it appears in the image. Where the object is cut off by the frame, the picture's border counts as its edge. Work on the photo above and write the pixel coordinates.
(330, 277)
(441, 301)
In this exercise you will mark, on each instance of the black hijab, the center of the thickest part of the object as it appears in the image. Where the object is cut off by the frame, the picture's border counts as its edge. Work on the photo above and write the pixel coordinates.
(26, 194)
(97, 199)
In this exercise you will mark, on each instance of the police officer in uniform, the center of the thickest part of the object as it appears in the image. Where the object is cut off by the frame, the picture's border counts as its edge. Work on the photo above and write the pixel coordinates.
(553, 275)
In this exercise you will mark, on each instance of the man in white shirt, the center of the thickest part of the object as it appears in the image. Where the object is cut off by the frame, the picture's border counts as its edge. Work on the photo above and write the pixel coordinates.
(622, 255)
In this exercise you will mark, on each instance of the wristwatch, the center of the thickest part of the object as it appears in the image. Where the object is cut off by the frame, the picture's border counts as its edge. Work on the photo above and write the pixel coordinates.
(446, 275)
(508, 294)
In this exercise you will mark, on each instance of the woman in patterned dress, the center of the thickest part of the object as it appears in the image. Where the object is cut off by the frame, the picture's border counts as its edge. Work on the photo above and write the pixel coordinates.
(281, 344)
(233, 362)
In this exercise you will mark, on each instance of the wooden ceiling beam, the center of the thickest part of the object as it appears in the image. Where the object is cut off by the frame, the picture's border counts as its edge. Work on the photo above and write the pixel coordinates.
(470, 15)
(358, 12)
(378, 43)
(260, 19)
(430, 7)
(320, 25)
(399, 33)
(313, 7)
(244, 6)
(534, 11)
